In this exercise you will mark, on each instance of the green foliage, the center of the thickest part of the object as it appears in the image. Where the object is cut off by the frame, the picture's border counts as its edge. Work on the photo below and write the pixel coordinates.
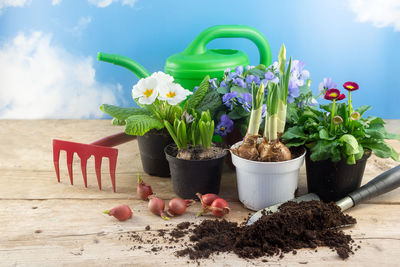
(198, 96)
(197, 131)
(141, 124)
(121, 113)
(346, 141)
(211, 101)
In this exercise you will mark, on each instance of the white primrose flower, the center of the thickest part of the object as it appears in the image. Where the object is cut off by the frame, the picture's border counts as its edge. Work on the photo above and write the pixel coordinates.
(161, 77)
(173, 93)
(146, 90)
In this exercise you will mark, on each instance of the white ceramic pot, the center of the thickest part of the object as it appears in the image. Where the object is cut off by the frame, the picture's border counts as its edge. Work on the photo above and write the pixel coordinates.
(262, 184)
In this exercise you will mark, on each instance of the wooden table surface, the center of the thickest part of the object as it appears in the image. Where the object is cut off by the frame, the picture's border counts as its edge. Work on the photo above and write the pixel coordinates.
(46, 223)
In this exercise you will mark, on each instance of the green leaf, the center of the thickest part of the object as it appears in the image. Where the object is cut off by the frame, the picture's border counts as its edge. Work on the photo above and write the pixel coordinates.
(295, 132)
(212, 101)
(327, 108)
(239, 89)
(295, 143)
(392, 136)
(351, 160)
(200, 93)
(122, 113)
(223, 90)
(360, 153)
(377, 131)
(363, 109)
(172, 133)
(320, 151)
(375, 120)
(381, 149)
(351, 144)
(306, 115)
(116, 121)
(323, 134)
(257, 72)
(141, 124)
(394, 155)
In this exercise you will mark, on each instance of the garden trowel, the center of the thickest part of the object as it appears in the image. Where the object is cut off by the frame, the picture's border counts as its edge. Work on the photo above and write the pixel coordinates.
(381, 184)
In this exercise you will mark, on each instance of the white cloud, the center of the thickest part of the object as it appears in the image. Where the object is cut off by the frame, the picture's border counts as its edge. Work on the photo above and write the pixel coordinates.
(82, 25)
(13, 3)
(381, 13)
(55, 2)
(130, 3)
(106, 3)
(41, 80)
(101, 3)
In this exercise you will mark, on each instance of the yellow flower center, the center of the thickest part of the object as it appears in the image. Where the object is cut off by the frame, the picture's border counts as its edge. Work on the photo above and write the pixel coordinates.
(222, 128)
(334, 94)
(170, 94)
(350, 86)
(148, 92)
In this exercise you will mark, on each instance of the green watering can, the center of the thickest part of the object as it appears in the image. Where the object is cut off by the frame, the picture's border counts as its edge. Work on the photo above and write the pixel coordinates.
(190, 66)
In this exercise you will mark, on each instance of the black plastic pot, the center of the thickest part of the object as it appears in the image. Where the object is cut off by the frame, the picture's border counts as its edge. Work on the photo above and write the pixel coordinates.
(192, 176)
(332, 181)
(151, 147)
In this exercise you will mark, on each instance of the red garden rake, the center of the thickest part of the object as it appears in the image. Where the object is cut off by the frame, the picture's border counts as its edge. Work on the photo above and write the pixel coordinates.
(99, 149)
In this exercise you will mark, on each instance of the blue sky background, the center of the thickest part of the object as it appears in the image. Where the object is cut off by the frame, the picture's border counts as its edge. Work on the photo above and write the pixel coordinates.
(48, 66)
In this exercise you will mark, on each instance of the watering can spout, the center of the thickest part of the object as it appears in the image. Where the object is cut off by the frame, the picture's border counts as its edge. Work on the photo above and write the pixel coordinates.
(125, 62)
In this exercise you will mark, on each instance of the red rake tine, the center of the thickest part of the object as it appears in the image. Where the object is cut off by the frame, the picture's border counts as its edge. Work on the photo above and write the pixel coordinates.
(99, 149)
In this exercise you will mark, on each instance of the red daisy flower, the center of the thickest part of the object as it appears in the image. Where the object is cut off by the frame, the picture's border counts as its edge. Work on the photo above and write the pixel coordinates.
(332, 94)
(350, 86)
(341, 97)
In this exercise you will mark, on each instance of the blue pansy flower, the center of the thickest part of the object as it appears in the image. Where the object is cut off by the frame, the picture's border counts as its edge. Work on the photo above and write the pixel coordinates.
(224, 126)
(229, 99)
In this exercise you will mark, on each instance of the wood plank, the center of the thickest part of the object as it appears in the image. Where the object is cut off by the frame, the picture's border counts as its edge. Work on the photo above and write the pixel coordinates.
(75, 232)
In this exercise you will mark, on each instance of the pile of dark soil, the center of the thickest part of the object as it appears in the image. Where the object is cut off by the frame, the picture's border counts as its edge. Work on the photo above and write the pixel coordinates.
(296, 225)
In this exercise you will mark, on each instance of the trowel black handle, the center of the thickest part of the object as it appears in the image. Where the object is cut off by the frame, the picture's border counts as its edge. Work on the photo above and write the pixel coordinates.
(381, 184)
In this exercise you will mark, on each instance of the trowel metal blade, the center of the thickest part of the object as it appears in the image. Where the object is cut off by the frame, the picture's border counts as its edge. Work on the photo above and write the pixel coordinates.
(275, 207)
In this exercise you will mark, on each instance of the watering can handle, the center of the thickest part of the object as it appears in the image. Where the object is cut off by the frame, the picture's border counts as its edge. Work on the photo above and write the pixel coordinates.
(198, 45)
(126, 62)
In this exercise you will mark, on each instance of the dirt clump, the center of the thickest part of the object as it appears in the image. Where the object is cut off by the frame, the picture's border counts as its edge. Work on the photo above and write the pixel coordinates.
(297, 225)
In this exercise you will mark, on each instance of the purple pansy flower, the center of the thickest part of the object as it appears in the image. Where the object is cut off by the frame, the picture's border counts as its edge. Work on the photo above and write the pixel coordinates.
(224, 126)
(293, 91)
(326, 84)
(222, 84)
(239, 82)
(229, 99)
(298, 74)
(264, 111)
(269, 77)
(251, 78)
(245, 99)
(239, 70)
(213, 83)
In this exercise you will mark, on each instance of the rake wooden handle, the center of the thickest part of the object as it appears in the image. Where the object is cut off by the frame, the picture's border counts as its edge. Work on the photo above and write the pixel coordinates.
(114, 140)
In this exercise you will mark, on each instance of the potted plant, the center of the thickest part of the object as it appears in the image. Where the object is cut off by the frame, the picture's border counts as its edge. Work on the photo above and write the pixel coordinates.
(266, 170)
(339, 141)
(158, 98)
(234, 90)
(195, 163)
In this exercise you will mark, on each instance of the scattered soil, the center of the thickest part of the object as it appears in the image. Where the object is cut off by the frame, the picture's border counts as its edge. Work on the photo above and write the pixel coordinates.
(197, 153)
(310, 224)
(296, 225)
